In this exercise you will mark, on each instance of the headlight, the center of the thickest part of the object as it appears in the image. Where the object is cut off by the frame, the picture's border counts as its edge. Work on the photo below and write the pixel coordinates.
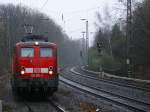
(22, 72)
(36, 43)
(50, 72)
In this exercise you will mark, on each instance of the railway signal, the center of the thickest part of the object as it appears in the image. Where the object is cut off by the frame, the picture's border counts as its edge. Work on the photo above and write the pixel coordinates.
(99, 47)
(81, 54)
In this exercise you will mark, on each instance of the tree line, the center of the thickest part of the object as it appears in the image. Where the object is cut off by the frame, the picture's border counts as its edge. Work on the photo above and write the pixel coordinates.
(114, 43)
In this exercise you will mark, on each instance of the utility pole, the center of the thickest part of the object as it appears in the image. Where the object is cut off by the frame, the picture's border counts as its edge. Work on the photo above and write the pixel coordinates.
(87, 42)
(83, 40)
(83, 47)
(9, 40)
(129, 37)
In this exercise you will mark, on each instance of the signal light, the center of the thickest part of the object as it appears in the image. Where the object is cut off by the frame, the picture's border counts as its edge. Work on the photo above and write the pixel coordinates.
(99, 46)
(81, 53)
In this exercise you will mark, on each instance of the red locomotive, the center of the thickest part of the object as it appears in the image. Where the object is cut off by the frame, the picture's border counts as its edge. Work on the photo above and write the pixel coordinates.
(35, 65)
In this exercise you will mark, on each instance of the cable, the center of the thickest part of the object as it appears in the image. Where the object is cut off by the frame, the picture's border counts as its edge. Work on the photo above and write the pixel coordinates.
(44, 4)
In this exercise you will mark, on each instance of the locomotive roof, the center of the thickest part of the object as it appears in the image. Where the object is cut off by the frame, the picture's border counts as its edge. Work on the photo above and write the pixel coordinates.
(34, 38)
(31, 43)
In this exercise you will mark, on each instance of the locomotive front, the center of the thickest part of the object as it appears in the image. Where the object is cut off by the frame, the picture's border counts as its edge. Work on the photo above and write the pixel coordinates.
(35, 66)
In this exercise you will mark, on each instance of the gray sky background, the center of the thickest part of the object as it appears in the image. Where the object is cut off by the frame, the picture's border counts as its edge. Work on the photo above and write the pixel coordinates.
(73, 11)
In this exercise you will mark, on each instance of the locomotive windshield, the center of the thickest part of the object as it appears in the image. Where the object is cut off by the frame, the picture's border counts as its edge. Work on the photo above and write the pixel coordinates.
(27, 52)
(46, 52)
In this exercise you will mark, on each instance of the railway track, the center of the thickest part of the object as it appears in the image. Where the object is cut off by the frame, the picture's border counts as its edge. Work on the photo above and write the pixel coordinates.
(31, 108)
(106, 81)
(52, 104)
(131, 104)
(143, 88)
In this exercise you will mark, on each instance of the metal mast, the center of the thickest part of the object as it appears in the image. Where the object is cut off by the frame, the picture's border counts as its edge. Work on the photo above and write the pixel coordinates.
(87, 43)
(129, 37)
(83, 48)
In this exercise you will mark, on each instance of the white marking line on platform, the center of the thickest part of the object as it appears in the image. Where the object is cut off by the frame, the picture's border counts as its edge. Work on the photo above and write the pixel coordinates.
(0, 105)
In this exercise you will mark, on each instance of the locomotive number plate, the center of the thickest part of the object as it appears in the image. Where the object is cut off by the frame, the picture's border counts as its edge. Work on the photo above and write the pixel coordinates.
(35, 75)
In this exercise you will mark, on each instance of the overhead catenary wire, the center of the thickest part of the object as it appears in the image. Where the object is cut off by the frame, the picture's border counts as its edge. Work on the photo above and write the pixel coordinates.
(45, 3)
(73, 13)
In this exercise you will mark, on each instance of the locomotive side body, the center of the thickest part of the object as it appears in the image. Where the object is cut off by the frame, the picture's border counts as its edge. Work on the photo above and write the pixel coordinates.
(35, 67)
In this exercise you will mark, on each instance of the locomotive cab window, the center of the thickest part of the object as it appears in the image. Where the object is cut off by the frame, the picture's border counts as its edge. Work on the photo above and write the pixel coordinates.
(46, 52)
(27, 52)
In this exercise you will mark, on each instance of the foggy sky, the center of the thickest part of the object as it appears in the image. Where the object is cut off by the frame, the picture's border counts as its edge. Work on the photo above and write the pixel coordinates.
(73, 11)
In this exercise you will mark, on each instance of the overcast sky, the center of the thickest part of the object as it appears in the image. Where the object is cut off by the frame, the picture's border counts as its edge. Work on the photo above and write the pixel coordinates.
(73, 11)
